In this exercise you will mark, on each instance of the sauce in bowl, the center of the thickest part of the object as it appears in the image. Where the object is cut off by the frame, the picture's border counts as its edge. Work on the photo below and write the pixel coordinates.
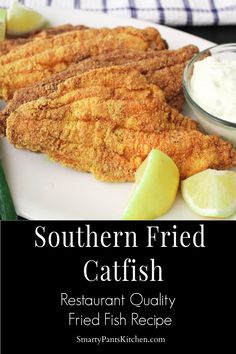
(213, 87)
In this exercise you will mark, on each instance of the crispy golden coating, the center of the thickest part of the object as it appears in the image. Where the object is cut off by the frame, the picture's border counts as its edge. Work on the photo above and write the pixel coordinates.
(9, 45)
(113, 154)
(163, 68)
(117, 93)
(107, 120)
(33, 61)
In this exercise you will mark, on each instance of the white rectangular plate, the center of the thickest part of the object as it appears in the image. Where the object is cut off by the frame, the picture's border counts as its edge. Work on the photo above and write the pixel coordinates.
(43, 189)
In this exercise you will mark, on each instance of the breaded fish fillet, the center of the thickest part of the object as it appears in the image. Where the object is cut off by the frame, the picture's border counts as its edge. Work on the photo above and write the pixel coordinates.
(36, 60)
(163, 68)
(106, 121)
(9, 45)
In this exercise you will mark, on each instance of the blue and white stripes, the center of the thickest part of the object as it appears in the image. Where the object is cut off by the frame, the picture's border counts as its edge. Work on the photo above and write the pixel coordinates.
(169, 12)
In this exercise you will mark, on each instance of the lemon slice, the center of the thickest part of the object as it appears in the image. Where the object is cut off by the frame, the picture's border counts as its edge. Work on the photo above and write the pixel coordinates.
(3, 15)
(154, 192)
(22, 20)
(211, 193)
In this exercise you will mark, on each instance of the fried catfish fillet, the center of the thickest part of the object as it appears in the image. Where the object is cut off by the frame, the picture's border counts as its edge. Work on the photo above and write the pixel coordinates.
(106, 121)
(10, 44)
(163, 68)
(33, 61)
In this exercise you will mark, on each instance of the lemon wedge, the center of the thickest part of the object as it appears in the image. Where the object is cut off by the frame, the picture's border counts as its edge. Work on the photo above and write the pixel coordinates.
(3, 16)
(156, 185)
(211, 193)
(22, 20)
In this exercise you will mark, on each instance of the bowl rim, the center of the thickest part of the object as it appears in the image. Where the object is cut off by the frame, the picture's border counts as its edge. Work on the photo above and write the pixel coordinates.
(188, 95)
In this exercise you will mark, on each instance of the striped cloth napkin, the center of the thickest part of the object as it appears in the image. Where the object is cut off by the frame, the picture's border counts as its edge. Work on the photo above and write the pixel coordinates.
(168, 12)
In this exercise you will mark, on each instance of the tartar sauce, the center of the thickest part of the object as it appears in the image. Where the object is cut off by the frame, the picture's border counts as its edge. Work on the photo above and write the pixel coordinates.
(213, 87)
